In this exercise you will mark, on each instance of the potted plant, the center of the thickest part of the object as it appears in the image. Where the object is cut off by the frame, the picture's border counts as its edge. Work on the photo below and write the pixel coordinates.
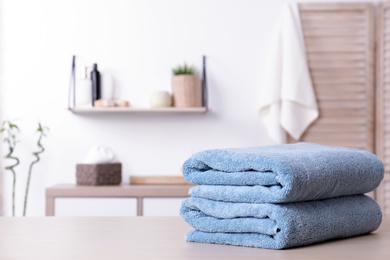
(186, 87)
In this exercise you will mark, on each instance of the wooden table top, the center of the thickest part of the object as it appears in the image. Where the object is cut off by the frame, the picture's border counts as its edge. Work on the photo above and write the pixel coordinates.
(156, 238)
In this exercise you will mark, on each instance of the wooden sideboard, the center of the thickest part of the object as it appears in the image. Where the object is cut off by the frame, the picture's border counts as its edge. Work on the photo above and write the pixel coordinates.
(138, 192)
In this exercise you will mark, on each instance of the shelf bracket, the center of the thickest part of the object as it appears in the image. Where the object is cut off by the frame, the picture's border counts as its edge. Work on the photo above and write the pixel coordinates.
(204, 83)
(72, 85)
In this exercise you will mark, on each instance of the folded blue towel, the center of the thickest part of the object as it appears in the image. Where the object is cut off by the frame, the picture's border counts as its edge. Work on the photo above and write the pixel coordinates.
(278, 226)
(282, 173)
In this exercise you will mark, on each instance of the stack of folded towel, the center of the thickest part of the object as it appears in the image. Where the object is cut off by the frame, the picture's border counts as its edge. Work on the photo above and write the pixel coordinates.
(281, 196)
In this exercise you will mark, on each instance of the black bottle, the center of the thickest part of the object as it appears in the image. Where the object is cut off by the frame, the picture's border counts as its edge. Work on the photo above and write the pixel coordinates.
(95, 78)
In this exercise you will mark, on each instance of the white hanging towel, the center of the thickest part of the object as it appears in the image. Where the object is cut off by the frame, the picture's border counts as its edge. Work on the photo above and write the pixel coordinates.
(287, 102)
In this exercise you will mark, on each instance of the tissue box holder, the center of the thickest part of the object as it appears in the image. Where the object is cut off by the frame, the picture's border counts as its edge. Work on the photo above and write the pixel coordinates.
(99, 174)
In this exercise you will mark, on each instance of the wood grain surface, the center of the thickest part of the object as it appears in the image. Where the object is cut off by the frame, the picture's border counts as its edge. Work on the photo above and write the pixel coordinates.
(156, 238)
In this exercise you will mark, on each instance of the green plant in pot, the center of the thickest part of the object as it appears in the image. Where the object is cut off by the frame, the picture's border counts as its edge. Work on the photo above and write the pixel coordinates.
(186, 87)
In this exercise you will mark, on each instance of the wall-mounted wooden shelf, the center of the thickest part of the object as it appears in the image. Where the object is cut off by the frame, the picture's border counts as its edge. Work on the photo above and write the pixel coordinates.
(138, 110)
(72, 99)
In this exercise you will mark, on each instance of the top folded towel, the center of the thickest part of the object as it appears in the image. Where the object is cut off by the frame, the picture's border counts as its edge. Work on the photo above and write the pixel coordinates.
(282, 173)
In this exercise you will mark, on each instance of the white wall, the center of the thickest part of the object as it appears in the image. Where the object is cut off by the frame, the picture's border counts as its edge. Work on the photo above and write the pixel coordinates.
(138, 41)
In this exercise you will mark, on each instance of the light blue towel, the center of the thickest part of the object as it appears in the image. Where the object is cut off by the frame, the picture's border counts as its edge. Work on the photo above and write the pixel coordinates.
(278, 226)
(282, 173)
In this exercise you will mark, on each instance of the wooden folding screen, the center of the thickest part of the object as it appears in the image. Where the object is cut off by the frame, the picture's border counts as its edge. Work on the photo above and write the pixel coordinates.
(382, 102)
(339, 42)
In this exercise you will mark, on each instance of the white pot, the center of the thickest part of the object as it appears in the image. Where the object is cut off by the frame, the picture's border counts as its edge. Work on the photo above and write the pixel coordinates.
(160, 99)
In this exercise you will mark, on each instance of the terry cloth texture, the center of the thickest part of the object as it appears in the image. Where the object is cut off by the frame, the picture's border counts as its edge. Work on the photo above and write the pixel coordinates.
(282, 173)
(277, 226)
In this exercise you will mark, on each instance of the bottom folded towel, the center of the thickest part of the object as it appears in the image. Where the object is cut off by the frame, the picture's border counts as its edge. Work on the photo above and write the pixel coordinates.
(278, 226)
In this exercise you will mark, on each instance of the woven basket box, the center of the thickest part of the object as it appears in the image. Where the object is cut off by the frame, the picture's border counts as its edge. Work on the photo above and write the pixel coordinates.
(99, 174)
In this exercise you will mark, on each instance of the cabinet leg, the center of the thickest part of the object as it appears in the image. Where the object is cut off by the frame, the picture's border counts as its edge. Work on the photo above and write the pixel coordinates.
(139, 206)
(50, 206)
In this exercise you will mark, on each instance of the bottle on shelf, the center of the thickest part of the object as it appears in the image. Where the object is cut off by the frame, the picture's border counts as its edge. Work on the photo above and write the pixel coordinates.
(84, 90)
(95, 80)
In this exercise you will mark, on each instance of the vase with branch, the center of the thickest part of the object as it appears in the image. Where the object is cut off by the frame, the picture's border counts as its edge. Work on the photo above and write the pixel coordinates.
(11, 138)
(42, 133)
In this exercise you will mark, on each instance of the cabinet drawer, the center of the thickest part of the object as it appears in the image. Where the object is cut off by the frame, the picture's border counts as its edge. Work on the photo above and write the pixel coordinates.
(162, 206)
(103, 207)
